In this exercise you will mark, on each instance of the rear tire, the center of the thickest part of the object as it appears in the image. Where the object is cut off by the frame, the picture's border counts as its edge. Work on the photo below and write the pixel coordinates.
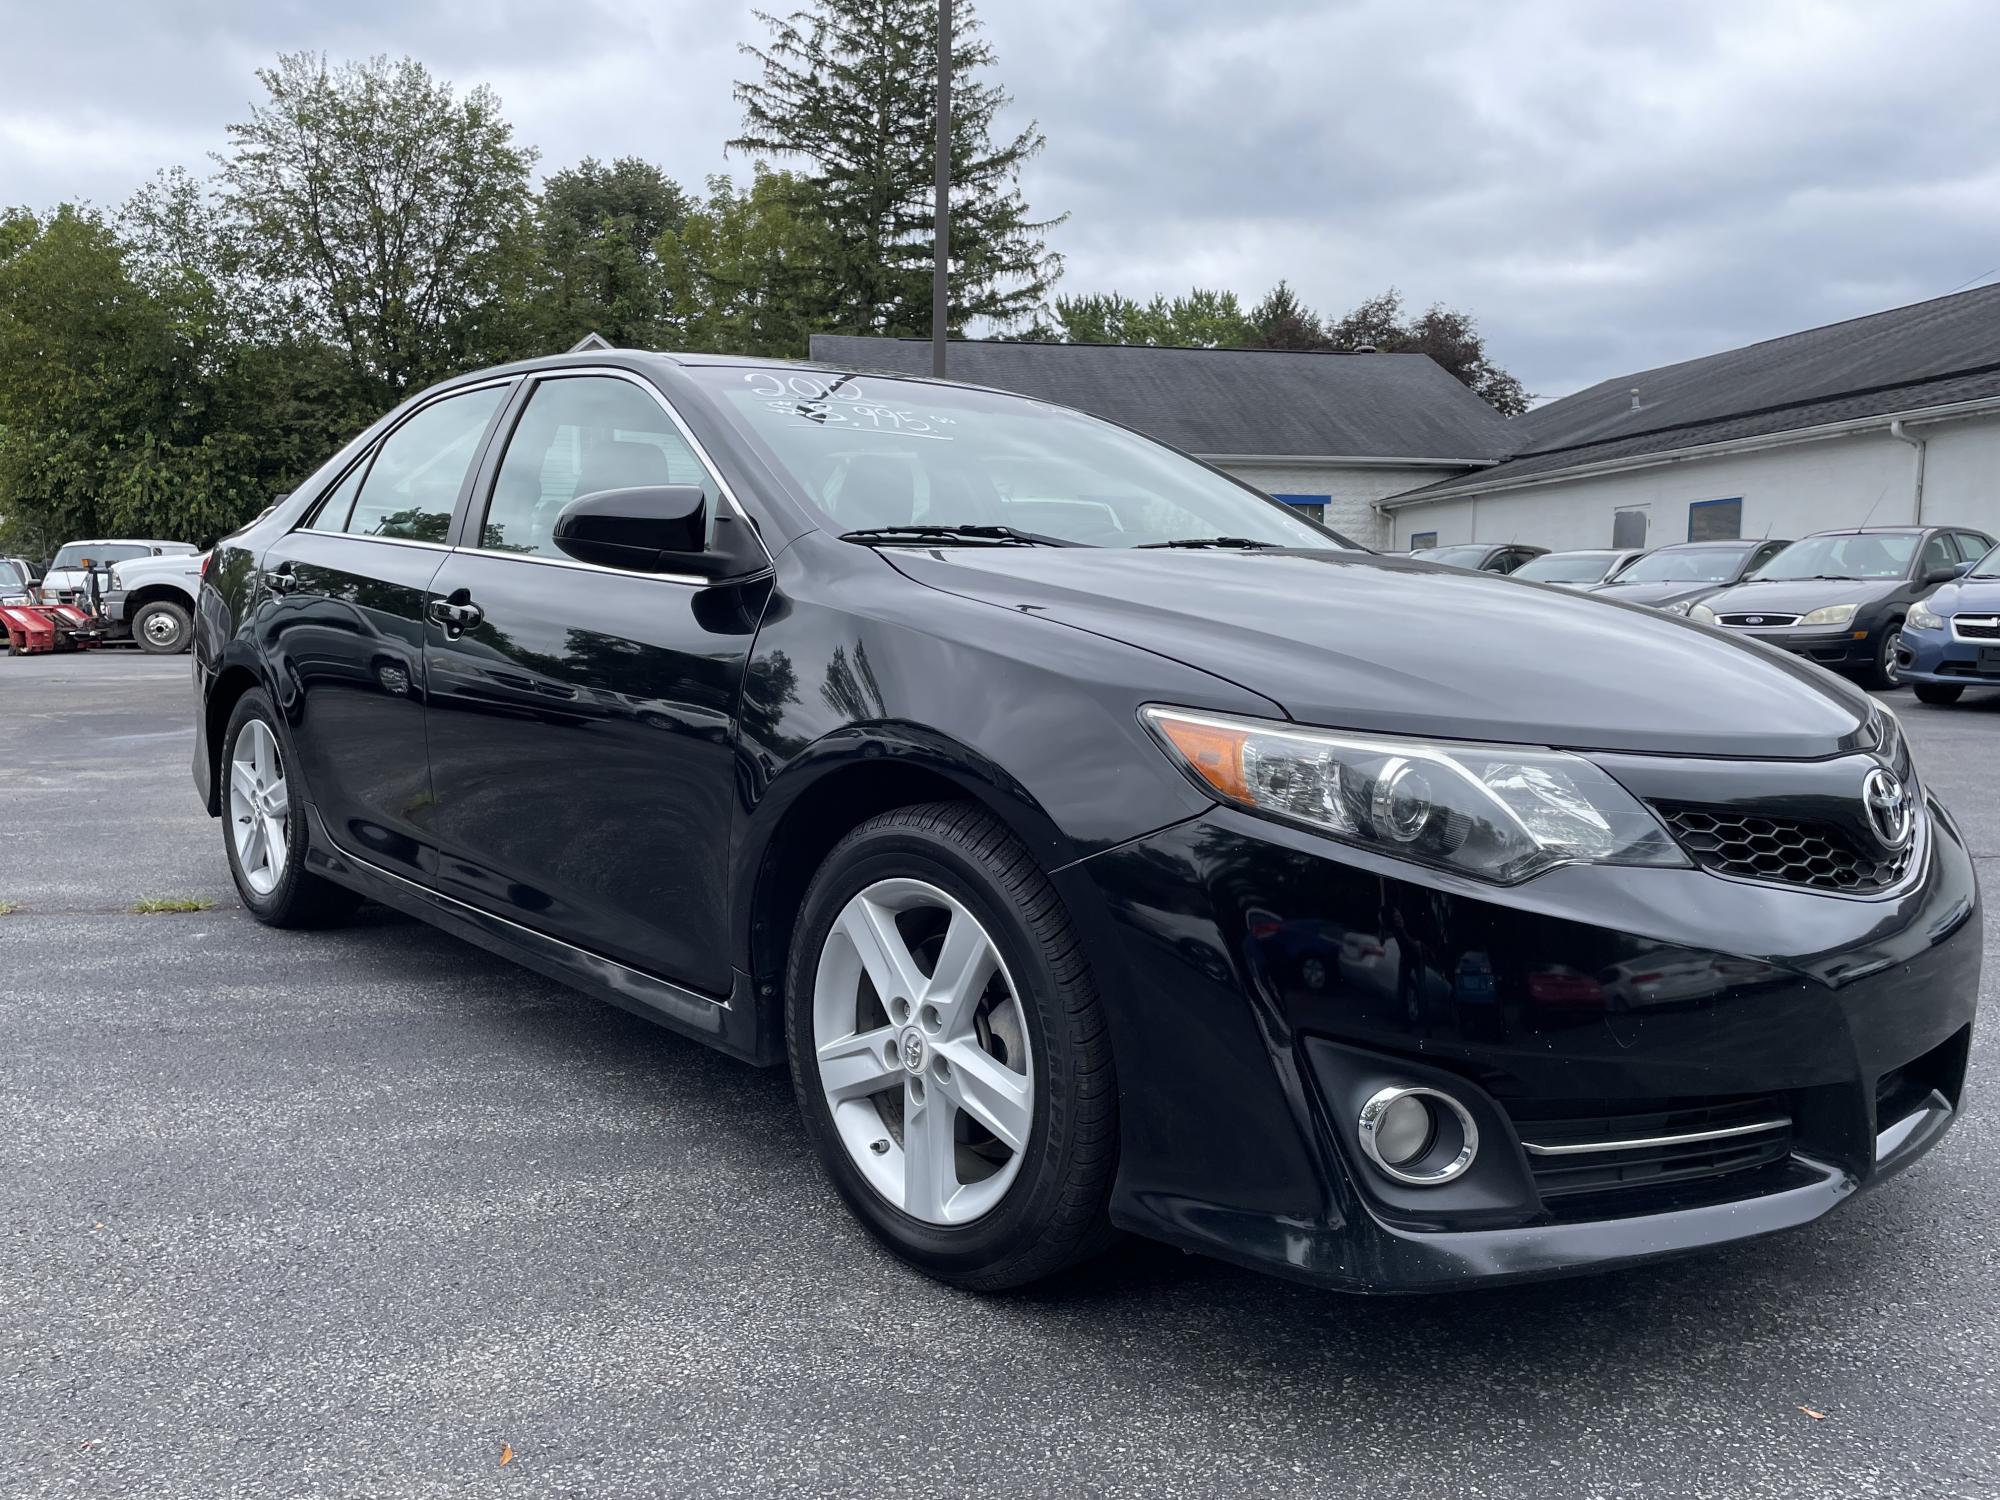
(1022, 1040)
(1940, 693)
(162, 628)
(264, 825)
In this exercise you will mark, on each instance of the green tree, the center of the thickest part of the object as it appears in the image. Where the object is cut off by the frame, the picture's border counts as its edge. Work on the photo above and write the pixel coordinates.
(745, 270)
(114, 392)
(1449, 337)
(1282, 321)
(849, 89)
(378, 210)
(596, 268)
(1203, 319)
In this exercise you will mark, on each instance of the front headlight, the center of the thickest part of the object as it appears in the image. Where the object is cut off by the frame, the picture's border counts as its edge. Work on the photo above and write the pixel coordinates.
(1832, 614)
(1495, 812)
(1678, 607)
(1920, 617)
(1701, 614)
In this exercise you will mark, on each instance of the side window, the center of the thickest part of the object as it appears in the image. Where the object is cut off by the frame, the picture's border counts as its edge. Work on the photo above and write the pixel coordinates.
(1508, 561)
(1764, 554)
(413, 483)
(336, 508)
(580, 434)
(1972, 546)
(1938, 553)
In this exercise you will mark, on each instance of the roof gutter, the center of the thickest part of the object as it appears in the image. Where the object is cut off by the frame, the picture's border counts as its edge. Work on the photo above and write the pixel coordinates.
(1351, 460)
(1884, 422)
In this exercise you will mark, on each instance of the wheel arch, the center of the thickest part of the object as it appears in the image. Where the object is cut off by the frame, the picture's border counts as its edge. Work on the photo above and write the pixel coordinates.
(231, 683)
(827, 792)
(159, 593)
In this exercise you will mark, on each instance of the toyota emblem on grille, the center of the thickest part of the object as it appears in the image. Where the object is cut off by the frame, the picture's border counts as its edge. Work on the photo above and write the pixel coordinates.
(1889, 811)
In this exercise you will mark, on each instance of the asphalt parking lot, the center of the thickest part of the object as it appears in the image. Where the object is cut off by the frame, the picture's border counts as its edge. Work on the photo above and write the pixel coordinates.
(360, 1212)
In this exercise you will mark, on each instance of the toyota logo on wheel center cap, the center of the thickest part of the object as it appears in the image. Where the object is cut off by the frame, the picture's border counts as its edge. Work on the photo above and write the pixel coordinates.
(911, 1046)
(1890, 814)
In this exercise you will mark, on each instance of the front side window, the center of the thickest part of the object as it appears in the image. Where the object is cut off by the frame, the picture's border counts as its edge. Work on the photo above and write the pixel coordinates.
(1852, 555)
(871, 452)
(578, 435)
(412, 486)
(1989, 565)
(1939, 554)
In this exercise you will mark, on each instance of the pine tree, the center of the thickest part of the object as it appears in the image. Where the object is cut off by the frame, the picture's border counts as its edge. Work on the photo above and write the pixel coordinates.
(848, 88)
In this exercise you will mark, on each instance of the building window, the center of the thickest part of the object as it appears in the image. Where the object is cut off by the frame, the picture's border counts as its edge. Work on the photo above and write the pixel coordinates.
(1312, 507)
(1715, 520)
(1422, 539)
(1628, 528)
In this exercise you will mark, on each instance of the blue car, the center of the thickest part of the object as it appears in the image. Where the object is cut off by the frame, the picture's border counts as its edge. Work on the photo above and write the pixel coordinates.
(1951, 641)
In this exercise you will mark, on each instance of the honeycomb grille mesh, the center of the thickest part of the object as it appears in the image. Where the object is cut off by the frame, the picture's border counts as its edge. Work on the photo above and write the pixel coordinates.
(1754, 847)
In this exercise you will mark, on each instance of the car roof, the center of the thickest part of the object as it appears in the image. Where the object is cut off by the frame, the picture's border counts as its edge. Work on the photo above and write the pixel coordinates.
(126, 541)
(1879, 530)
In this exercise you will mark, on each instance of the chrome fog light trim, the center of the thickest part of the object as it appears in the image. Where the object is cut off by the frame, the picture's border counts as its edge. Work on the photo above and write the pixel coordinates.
(1446, 1113)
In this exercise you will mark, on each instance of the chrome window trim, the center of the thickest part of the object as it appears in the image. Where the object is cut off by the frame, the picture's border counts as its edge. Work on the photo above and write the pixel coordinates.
(708, 464)
(385, 541)
(1643, 1143)
(570, 562)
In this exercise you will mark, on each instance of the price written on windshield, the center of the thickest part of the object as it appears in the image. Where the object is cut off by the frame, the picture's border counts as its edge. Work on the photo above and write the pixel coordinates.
(839, 401)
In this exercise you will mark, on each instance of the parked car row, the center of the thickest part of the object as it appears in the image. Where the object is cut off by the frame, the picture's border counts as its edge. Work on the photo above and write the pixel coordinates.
(1886, 604)
(145, 589)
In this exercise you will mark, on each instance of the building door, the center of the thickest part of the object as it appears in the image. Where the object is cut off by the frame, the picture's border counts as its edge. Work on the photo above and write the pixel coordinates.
(1628, 528)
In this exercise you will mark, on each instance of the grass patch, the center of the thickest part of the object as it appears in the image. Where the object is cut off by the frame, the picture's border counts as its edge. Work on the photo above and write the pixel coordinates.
(8, 908)
(153, 905)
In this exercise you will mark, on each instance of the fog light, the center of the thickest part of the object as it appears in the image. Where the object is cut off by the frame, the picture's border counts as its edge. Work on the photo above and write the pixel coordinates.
(1419, 1136)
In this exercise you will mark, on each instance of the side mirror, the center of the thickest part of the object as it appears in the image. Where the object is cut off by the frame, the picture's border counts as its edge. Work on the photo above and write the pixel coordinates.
(655, 528)
(1940, 575)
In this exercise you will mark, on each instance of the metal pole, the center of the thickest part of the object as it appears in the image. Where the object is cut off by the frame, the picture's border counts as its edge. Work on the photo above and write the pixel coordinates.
(940, 274)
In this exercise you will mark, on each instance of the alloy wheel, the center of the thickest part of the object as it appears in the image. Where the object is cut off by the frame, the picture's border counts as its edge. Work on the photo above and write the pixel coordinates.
(922, 1050)
(259, 806)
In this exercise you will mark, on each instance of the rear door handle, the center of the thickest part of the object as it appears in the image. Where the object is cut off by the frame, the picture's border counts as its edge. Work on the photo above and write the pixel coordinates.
(282, 580)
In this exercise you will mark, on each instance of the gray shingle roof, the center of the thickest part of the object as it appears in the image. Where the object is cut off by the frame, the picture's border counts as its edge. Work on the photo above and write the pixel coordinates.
(1928, 354)
(1280, 403)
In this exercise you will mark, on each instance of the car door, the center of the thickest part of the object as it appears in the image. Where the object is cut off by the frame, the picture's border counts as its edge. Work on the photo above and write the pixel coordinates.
(340, 621)
(580, 716)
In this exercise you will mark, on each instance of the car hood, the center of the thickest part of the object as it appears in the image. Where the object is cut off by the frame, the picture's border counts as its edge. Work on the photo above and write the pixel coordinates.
(1801, 596)
(1655, 594)
(1359, 641)
(1978, 596)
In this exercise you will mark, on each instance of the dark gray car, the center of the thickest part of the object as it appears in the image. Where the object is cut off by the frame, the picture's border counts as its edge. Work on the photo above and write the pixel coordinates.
(1840, 597)
(1677, 577)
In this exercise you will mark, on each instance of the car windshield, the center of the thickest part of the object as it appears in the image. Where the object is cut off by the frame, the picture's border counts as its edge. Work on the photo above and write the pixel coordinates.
(1457, 557)
(1695, 565)
(875, 453)
(1567, 567)
(1988, 566)
(1868, 554)
(74, 553)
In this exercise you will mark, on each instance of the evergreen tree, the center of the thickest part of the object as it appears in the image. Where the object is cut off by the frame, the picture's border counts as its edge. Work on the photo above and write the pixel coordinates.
(848, 88)
(1282, 321)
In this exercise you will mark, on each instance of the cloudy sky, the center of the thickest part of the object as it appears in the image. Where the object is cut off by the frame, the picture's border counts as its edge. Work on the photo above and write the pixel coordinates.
(1607, 186)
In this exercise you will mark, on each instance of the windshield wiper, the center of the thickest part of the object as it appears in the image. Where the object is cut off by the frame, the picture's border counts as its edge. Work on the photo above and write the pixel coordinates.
(1242, 542)
(972, 532)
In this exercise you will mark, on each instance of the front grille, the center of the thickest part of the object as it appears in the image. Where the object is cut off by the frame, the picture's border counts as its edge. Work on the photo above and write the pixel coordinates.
(1751, 846)
(1758, 619)
(1580, 1156)
(1976, 627)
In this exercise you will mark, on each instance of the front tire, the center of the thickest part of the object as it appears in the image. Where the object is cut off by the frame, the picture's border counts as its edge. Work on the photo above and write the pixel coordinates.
(1883, 673)
(263, 826)
(1940, 693)
(949, 1051)
(162, 628)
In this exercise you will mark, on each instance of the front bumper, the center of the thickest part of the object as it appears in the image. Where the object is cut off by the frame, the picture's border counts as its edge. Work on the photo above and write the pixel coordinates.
(1939, 656)
(1843, 647)
(1264, 980)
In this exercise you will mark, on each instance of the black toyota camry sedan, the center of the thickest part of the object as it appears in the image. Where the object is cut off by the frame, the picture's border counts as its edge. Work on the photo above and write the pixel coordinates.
(1100, 845)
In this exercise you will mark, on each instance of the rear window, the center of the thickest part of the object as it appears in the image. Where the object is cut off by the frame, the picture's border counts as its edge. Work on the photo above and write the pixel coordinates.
(72, 556)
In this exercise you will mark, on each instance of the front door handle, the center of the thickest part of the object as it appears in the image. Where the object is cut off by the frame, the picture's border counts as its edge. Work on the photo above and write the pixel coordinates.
(456, 613)
(281, 579)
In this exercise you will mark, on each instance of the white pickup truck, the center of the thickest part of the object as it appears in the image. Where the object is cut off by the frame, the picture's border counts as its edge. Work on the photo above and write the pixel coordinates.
(153, 598)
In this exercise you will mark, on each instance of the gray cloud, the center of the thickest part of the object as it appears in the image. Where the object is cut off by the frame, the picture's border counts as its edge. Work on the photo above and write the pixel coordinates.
(1607, 187)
